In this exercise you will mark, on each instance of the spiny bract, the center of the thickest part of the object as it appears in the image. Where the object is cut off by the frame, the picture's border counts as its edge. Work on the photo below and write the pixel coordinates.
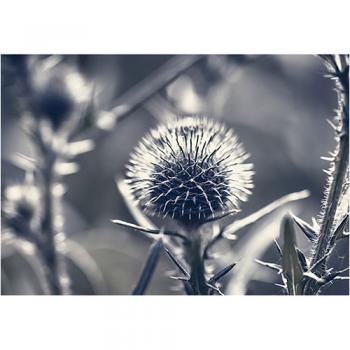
(189, 170)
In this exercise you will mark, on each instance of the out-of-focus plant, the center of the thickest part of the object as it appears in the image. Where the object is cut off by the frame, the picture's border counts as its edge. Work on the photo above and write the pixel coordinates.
(194, 171)
(307, 275)
(54, 97)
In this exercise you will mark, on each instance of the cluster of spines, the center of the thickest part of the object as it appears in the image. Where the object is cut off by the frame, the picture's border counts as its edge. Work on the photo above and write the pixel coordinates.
(189, 170)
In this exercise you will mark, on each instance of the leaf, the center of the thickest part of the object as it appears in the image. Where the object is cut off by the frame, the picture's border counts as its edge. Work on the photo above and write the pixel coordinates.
(339, 231)
(177, 263)
(149, 268)
(279, 250)
(291, 266)
(302, 260)
(231, 229)
(148, 230)
(307, 229)
(221, 273)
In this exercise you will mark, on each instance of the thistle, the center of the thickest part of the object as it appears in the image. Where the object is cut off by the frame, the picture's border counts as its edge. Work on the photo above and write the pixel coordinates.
(190, 170)
(54, 96)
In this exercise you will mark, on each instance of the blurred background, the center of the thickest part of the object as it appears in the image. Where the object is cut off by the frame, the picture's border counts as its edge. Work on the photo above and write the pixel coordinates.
(278, 106)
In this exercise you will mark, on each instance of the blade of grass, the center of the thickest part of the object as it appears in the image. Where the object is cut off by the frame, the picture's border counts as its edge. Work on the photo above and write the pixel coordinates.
(291, 266)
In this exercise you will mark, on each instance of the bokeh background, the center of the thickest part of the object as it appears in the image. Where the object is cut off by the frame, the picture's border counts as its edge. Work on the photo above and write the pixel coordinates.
(278, 106)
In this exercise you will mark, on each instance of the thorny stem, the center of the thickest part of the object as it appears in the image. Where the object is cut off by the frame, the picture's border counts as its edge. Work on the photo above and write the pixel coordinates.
(341, 164)
(333, 200)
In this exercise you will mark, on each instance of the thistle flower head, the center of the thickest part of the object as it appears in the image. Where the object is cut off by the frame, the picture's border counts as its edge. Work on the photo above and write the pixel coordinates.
(189, 170)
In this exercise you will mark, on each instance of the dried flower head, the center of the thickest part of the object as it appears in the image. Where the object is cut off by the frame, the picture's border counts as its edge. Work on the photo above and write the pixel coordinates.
(189, 170)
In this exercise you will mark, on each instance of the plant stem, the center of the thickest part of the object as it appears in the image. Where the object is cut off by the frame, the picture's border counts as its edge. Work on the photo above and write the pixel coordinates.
(341, 164)
(55, 269)
(333, 200)
(195, 258)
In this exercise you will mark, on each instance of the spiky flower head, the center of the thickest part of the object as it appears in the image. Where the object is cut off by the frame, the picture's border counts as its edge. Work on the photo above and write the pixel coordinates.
(189, 170)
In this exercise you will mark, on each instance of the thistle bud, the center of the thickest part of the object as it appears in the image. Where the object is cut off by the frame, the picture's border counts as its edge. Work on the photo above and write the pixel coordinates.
(57, 90)
(189, 170)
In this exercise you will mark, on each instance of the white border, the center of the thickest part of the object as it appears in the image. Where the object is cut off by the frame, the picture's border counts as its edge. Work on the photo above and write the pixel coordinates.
(181, 26)
(171, 323)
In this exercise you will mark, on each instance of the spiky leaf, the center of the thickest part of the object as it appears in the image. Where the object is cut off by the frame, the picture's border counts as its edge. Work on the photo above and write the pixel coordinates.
(307, 229)
(340, 230)
(278, 248)
(177, 263)
(221, 273)
(303, 260)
